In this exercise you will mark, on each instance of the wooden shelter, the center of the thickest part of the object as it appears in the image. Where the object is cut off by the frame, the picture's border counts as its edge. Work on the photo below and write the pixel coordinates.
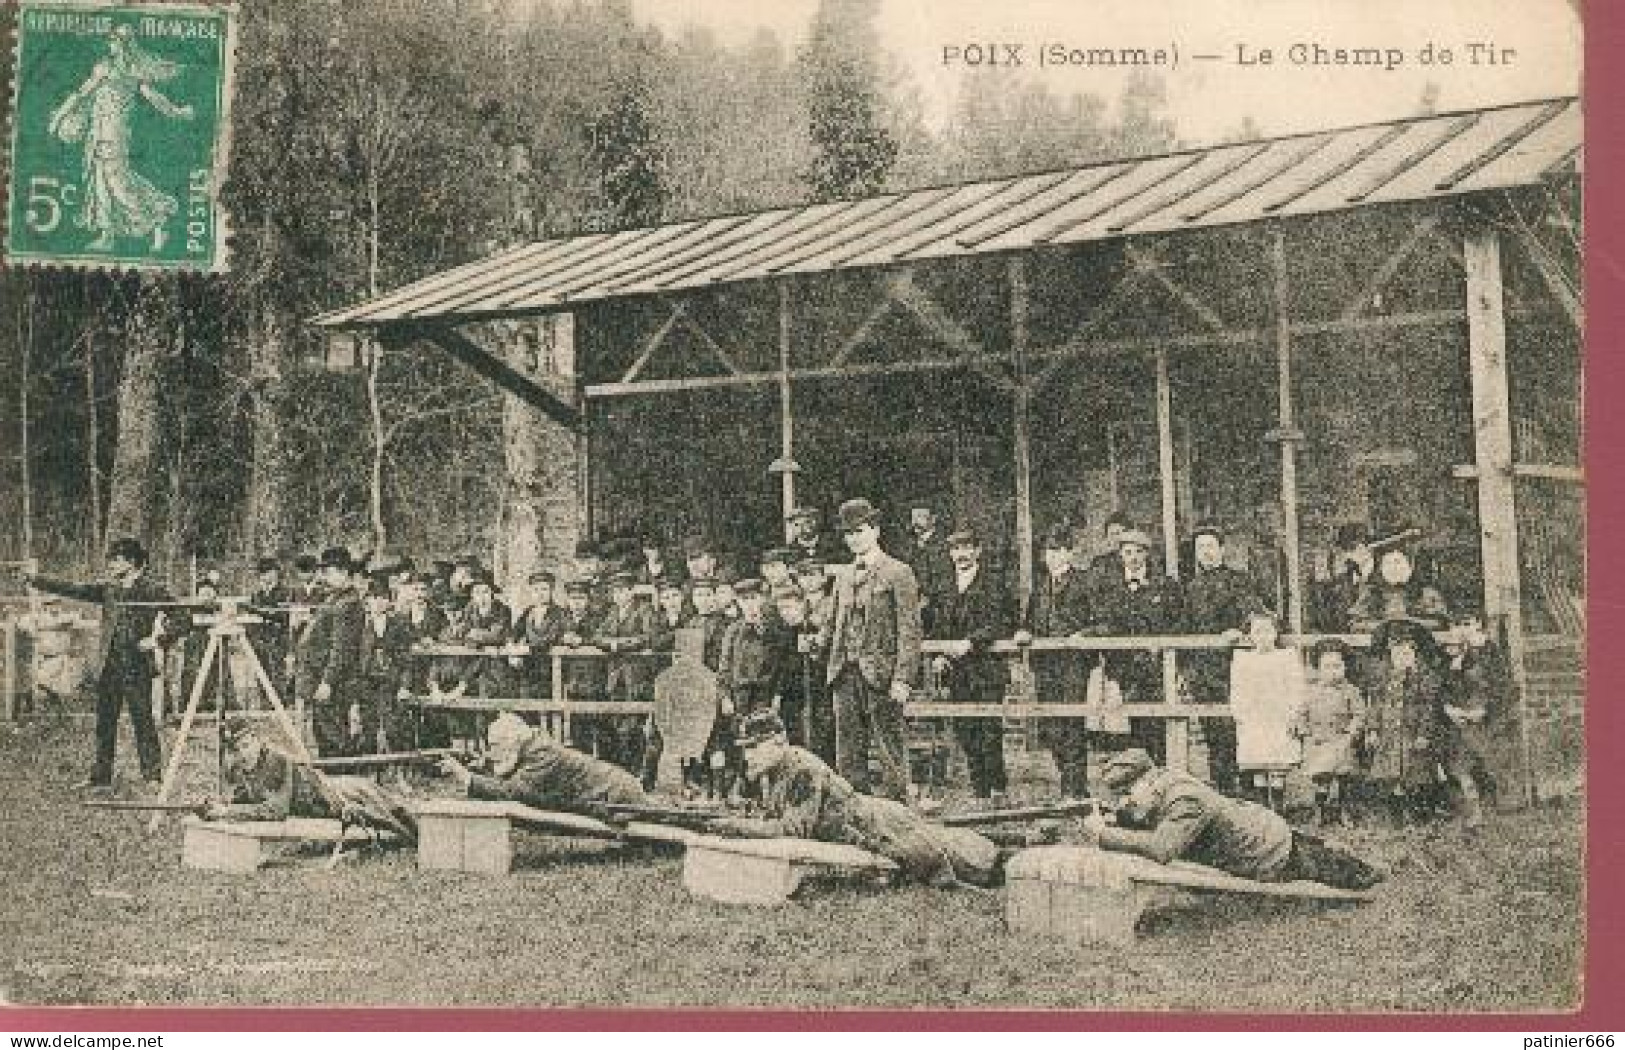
(1375, 324)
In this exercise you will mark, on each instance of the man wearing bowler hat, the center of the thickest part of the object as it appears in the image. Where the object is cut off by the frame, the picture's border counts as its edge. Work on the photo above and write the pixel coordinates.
(972, 611)
(1138, 600)
(874, 655)
(134, 626)
(328, 655)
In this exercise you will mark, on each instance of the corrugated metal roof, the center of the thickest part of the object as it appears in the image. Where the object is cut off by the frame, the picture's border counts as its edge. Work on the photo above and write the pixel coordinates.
(1409, 160)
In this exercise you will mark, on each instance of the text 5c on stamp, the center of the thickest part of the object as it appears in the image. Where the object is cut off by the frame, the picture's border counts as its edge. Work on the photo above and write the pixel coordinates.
(120, 126)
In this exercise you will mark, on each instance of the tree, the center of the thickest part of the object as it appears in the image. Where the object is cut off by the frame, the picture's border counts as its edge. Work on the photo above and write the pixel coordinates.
(853, 149)
(631, 164)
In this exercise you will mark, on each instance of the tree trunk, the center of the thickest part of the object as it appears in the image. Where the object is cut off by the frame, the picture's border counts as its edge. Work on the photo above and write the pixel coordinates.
(541, 514)
(136, 460)
(268, 528)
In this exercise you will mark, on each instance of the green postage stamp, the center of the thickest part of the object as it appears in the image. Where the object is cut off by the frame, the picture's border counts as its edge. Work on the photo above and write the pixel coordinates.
(120, 124)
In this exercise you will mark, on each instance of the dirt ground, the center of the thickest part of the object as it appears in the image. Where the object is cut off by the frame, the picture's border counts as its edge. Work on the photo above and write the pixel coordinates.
(98, 911)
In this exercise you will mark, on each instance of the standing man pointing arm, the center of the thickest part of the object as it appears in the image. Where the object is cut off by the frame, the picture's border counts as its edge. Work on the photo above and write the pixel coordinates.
(874, 657)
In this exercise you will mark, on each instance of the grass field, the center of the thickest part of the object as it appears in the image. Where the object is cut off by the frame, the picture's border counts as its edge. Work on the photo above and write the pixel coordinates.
(97, 911)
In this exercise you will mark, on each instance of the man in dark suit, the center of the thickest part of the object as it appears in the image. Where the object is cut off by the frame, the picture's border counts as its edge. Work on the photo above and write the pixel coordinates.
(381, 673)
(1138, 601)
(874, 654)
(971, 613)
(329, 653)
(927, 554)
(270, 638)
(1218, 600)
(1060, 608)
(133, 629)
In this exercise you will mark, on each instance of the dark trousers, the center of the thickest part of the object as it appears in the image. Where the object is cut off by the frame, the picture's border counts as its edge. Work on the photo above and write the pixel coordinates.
(865, 716)
(1319, 861)
(1068, 742)
(982, 740)
(113, 691)
(330, 723)
(1220, 734)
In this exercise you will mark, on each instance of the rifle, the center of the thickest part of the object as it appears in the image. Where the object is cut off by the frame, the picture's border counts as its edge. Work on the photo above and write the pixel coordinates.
(676, 816)
(1003, 816)
(144, 806)
(392, 758)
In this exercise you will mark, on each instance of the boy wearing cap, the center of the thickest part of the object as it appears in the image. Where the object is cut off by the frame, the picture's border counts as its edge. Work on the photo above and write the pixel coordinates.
(698, 558)
(540, 627)
(754, 653)
(131, 635)
(1166, 815)
(874, 655)
(327, 655)
(970, 614)
(804, 703)
(702, 594)
(1060, 608)
(485, 623)
(804, 798)
(628, 627)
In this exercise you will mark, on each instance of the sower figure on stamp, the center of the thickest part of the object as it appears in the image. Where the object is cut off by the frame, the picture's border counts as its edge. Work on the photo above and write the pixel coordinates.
(328, 655)
(874, 655)
(118, 201)
(972, 612)
(1060, 609)
(131, 635)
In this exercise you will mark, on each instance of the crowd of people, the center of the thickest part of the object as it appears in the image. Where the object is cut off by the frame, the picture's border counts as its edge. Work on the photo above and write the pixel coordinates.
(826, 631)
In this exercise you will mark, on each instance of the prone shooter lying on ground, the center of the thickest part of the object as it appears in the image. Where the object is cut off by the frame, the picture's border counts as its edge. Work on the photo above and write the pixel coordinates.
(803, 798)
(265, 783)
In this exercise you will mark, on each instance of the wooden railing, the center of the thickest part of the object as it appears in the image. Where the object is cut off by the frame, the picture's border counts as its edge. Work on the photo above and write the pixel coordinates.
(1175, 712)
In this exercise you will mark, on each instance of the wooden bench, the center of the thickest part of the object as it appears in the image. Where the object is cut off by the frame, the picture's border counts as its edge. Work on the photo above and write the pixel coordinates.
(242, 846)
(475, 835)
(1083, 894)
(768, 871)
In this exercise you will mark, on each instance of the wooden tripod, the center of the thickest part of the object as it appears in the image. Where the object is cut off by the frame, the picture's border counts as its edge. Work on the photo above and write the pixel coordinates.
(225, 632)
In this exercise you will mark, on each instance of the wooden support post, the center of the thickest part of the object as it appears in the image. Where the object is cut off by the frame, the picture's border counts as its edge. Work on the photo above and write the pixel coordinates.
(787, 427)
(8, 686)
(564, 701)
(1175, 731)
(1493, 452)
(1287, 435)
(1022, 409)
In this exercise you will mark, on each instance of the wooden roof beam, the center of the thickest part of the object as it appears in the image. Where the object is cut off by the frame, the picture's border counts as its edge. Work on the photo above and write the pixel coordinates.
(469, 353)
